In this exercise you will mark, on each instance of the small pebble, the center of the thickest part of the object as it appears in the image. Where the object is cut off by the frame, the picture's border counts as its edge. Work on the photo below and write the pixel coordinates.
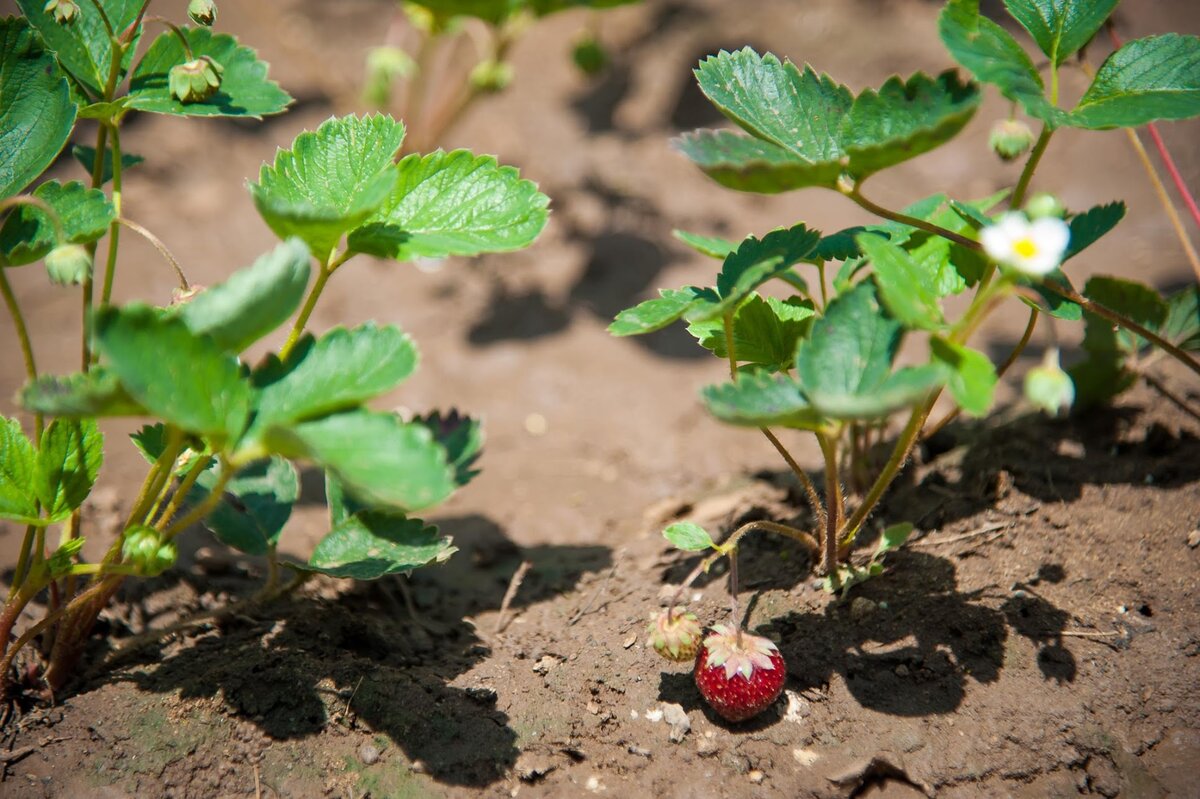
(756, 776)
(639, 751)
(902, 670)
(1194, 538)
(368, 754)
(536, 424)
(861, 608)
(630, 641)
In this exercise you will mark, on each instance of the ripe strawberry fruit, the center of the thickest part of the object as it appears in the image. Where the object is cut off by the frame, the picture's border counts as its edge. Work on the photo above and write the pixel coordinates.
(739, 679)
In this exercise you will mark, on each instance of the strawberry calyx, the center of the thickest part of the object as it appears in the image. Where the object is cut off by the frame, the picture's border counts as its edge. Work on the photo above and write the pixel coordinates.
(675, 634)
(738, 654)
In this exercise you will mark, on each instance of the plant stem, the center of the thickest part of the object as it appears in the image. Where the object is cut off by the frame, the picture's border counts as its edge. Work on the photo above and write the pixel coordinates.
(158, 245)
(1018, 195)
(734, 614)
(181, 493)
(187, 47)
(1164, 200)
(8, 619)
(22, 568)
(327, 269)
(104, 18)
(14, 310)
(204, 508)
(1175, 399)
(833, 505)
(920, 224)
(114, 230)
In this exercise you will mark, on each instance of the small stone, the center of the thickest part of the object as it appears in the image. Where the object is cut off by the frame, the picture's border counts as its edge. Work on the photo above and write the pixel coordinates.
(593, 708)
(418, 767)
(630, 641)
(545, 663)
(805, 757)
(902, 671)
(707, 747)
(639, 751)
(536, 424)
(594, 784)
(1194, 538)
(798, 708)
(654, 716)
(861, 608)
(677, 717)
(531, 767)
(368, 754)
(756, 776)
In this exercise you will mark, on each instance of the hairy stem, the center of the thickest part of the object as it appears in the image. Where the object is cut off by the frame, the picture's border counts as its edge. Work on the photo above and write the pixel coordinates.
(1171, 396)
(327, 270)
(204, 508)
(1031, 165)
(181, 493)
(833, 505)
(114, 230)
(920, 224)
(158, 245)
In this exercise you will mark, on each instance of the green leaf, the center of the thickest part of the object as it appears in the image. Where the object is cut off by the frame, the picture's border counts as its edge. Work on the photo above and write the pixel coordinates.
(245, 90)
(331, 181)
(766, 331)
(462, 438)
(892, 539)
(840, 246)
(1087, 228)
(1182, 325)
(62, 559)
(253, 301)
(905, 119)
(18, 466)
(95, 393)
(28, 234)
(453, 203)
(993, 56)
(379, 459)
(748, 164)
(340, 370)
(971, 377)
(180, 377)
(36, 111)
(1061, 27)
(254, 507)
(689, 537)
(653, 315)
(903, 284)
(84, 47)
(68, 462)
(1153, 78)
(370, 545)
(711, 246)
(1140, 303)
(1099, 378)
(759, 399)
(86, 156)
(1056, 305)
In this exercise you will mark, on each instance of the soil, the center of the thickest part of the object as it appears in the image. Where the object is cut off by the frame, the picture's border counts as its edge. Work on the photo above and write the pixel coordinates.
(1039, 636)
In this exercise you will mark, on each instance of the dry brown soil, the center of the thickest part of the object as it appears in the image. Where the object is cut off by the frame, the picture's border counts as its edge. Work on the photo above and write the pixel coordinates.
(1039, 637)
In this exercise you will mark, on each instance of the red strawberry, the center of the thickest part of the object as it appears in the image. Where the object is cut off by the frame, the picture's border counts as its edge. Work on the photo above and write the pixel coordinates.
(739, 679)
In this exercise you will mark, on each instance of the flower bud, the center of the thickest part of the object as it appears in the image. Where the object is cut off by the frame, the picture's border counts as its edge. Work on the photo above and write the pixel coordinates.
(1044, 204)
(144, 549)
(589, 55)
(491, 76)
(69, 264)
(65, 11)
(675, 635)
(385, 65)
(202, 12)
(1048, 387)
(195, 81)
(1010, 139)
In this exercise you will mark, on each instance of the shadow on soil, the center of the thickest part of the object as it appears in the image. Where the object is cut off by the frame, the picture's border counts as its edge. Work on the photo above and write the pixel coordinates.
(380, 656)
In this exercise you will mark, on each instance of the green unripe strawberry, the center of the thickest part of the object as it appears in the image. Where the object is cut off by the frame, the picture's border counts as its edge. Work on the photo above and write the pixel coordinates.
(202, 12)
(69, 264)
(195, 81)
(65, 12)
(144, 549)
(675, 635)
(1010, 138)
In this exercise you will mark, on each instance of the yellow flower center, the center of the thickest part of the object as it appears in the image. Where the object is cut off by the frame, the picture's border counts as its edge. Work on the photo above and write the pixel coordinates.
(1025, 248)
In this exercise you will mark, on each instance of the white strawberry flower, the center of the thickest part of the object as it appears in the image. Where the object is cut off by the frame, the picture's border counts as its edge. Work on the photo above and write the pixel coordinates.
(1034, 248)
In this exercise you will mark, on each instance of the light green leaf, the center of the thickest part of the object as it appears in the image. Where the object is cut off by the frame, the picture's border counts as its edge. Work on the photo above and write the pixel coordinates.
(18, 465)
(68, 462)
(86, 156)
(902, 284)
(378, 459)
(97, 393)
(245, 90)
(255, 505)
(182, 378)
(370, 545)
(331, 181)
(656, 314)
(36, 111)
(1087, 228)
(905, 119)
(1055, 304)
(744, 163)
(711, 246)
(84, 47)
(62, 559)
(766, 331)
(462, 438)
(251, 302)
(689, 537)
(759, 399)
(340, 370)
(993, 56)
(970, 375)
(892, 539)
(28, 234)
(1147, 79)
(1182, 325)
(1061, 27)
(453, 203)
(755, 262)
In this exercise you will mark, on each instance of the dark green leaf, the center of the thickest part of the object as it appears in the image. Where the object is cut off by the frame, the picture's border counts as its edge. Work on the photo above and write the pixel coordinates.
(245, 90)
(86, 156)
(379, 459)
(68, 462)
(253, 301)
(970, 376)
(839, 246)
(331, 180)
(755, 262)
(36, 111)
(1056, 305)
(84, 47)
(18, 467)
(453, 203)
(1061, 27)
(255, 505)
(1140, 303)
(744, 163)
(766, 332)
(1087, 228)
(706, 245)
(689, 537)
(1182, 325)
(653, 315)
(902, 284)
(62, 559)
(461, 436)
(1153, 78)
(96, 393)
(28, 234)
(370, 545)
(1099, 378)
(185, 379)
(759, 399)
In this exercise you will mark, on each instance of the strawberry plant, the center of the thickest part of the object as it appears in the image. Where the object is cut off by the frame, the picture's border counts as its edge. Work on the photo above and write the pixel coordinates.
(224, 431)
(810, 324)
(435, 98)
